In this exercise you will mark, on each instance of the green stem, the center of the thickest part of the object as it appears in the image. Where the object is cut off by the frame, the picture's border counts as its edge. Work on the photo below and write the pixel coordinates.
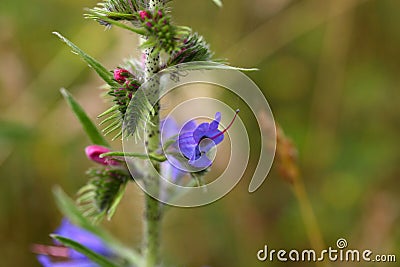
(310, 221)
(152, 213)
(152, 156)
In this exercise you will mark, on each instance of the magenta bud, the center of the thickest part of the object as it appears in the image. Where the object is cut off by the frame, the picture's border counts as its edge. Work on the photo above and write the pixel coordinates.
(120, 75)
(144, 14)
(93, 152)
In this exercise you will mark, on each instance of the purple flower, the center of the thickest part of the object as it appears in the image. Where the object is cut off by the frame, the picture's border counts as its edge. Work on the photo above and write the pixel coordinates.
(172, 167)
(93, 152)
(195, 141)
(59, 256)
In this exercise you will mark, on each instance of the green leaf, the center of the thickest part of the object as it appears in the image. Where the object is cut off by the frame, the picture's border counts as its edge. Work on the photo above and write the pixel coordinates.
(93, 256)
(91, 130)
(101, 71)
(71, 211)
(68, 208)
(203, 65)
(140, 107)
(105, 19)
(218, 2)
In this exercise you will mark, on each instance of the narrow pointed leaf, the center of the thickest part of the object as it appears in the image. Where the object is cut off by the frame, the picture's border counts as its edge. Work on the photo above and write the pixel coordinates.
(112, 125)
(106, 19)
(101, 71)
(68, 208)
(204, 65)
(218, 2)
(93, 256)
(91, 130)
(112, 117)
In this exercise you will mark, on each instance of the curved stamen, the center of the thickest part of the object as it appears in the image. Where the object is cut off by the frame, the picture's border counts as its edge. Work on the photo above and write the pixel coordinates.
(226, 129)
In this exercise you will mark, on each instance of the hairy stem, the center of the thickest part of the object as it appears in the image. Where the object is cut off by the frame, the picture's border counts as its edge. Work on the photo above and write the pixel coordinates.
(152, 214)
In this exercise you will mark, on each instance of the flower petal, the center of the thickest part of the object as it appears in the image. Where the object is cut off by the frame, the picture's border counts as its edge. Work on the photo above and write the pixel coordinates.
(46, 261)
(187, 144)
(215, 135)
(93, 152)
(201, 162)
(189, 126)
(89, 240)
(168, 128)
(215, 123)
(201, 131)
(172, 169)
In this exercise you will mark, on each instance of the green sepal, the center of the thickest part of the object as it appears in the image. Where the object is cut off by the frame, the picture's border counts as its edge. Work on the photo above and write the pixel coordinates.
(192, 47)
(119, 9)
(111, 118)
(108, 111)
(101, 71)
(112, 126)
(101, 195)
(91, 130)
(117, 200)
(93, 256)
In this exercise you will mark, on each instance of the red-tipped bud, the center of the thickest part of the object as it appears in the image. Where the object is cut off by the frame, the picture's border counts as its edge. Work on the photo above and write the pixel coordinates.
(93, 152)
(120, 75)
(144, 14)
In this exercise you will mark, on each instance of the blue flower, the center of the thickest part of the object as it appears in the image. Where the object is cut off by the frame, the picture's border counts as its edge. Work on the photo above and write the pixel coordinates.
(195, 141)
(59, 256)
(171, 168)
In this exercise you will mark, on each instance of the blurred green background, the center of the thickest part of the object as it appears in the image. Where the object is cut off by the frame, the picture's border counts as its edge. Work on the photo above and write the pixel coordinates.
(329, 68)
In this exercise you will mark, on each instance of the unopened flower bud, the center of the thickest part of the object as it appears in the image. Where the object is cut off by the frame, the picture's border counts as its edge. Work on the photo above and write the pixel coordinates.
(120, 75)
(93, 152)
(144, 14)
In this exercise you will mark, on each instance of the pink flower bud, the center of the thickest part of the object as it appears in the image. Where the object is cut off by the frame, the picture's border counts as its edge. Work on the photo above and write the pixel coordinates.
(144, 14)
(120, 75)
(93, 152)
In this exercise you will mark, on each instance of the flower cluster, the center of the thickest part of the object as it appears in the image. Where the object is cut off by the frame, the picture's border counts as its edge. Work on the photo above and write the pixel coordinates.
(161, 34)
(129, 84)
(192, 47)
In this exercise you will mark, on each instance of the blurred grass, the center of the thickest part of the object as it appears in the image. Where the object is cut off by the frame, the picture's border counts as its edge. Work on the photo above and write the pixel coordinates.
(328, 68)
